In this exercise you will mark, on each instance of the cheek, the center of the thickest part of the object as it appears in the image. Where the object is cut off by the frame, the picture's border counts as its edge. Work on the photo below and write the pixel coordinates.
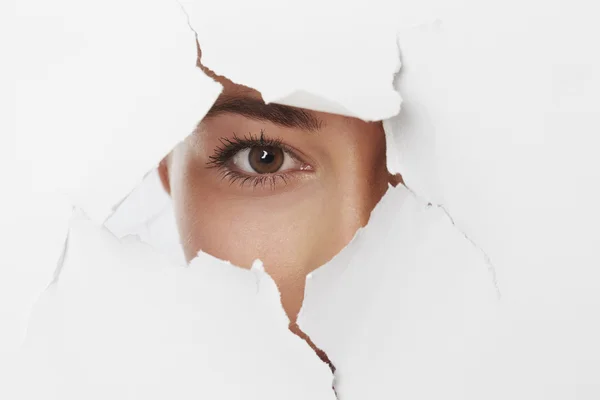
(241, 229)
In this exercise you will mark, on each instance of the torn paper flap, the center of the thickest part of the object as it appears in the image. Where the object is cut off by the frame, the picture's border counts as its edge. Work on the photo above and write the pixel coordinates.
(499, 126)
(424, 320)
(402, 309)
(120, 321)
(344, 63)
(148, 214)
(101, 108)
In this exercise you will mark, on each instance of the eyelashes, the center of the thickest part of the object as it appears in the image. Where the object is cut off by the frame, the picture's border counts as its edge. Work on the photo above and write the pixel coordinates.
(230, 147)
(230, 157)
(254, 181)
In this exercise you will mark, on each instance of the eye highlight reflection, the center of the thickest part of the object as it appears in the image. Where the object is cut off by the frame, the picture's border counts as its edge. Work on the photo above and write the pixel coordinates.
(256, 161)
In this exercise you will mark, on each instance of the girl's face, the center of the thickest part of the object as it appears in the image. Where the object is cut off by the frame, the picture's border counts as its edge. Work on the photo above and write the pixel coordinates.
(285, 185)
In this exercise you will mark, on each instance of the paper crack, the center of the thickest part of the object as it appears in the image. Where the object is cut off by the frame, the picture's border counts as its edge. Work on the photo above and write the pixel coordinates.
(486, 257)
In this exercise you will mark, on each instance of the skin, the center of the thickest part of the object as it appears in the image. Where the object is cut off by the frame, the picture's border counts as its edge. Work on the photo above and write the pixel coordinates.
(294, 226)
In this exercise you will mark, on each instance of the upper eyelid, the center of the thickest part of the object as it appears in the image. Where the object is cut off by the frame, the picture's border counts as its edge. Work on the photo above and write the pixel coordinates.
(238, 143)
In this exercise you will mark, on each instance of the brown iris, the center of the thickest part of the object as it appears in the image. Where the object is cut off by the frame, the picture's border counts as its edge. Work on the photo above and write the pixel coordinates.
(265, 159)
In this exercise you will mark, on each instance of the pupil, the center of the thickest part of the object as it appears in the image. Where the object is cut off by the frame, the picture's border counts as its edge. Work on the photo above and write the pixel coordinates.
(266, 159)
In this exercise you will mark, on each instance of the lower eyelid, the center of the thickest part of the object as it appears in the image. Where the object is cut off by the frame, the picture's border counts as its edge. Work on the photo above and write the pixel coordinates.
(254, 181)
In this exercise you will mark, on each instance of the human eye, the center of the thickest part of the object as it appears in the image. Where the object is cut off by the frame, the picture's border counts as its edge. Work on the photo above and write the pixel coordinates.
(256, 161)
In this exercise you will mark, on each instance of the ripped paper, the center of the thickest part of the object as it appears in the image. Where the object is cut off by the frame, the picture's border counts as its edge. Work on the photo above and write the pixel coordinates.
(324, 56)
(130, 325)
(497, 132)
(409, 321)
(109, 105)
(102, 92)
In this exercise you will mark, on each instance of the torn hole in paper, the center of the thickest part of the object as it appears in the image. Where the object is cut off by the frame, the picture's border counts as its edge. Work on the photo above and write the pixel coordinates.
(420, 348)
(286, 185)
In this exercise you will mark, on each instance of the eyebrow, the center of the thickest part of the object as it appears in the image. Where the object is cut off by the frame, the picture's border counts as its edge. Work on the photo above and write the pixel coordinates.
(290, 117)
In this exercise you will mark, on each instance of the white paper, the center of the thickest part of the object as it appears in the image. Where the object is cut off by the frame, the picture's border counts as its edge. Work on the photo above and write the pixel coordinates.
(112, 87)
(326, 56)
(102, 92)
(121, 322)
(499, 126)
(497, 132)
(406, 322)
(147, 213)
